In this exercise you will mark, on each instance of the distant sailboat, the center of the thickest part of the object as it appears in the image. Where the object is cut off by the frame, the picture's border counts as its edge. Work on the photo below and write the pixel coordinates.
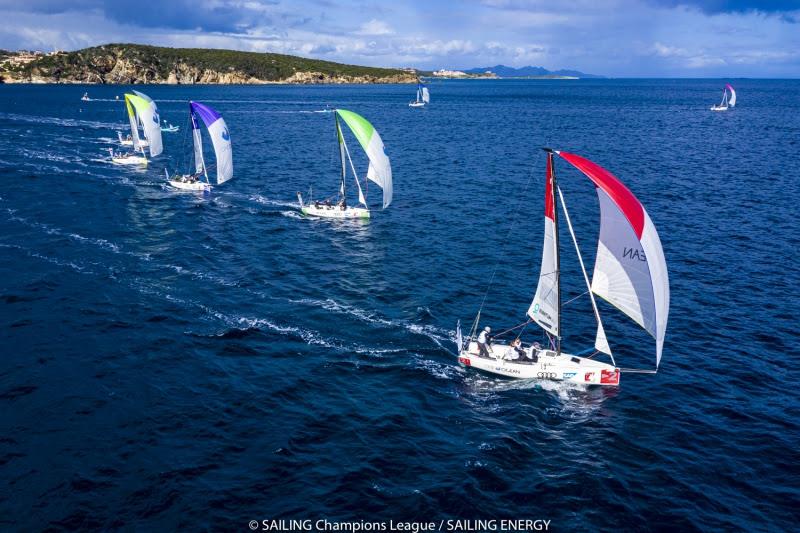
(630, 272)
(423, 96)
(727, 101)
(169, 128)
(379, 171)
(141, 111)
(85, 97)
(223, 150)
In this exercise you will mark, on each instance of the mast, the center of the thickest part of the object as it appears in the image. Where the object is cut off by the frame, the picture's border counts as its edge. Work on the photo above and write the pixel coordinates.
(553, 190)
(342, 148)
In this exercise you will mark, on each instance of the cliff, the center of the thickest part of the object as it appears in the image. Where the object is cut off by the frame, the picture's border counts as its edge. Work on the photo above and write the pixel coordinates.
(133, 64)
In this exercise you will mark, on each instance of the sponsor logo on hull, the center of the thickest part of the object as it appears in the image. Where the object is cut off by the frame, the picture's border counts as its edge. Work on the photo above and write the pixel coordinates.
(568, 375)
(547, 375)
(609, 377)
(465, 361)
(588, 376)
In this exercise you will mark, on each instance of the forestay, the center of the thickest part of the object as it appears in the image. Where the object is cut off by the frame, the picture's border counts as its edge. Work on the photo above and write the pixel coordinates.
(220, 138)
(380, 169)
(630, 270)
(147, 113)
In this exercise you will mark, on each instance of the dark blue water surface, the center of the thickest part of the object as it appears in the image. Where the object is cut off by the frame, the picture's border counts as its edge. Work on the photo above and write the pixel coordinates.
(173, 360)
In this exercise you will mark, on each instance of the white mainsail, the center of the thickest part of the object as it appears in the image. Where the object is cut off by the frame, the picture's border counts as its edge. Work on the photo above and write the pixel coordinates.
(426, 96)
(544, 309)
(199, 163)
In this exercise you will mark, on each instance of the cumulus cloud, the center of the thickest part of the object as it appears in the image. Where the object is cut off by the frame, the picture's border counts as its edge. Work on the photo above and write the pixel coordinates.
(611, 37)
(375, 27)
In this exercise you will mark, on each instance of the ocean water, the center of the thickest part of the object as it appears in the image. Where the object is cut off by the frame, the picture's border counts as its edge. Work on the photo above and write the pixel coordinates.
(173, 360)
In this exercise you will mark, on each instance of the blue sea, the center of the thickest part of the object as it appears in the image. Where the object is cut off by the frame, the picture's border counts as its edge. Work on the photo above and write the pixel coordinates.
(178, 361)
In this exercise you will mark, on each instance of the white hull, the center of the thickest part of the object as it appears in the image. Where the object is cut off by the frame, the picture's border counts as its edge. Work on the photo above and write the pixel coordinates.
(334, 211)
(130, 160)
(127, 142)
(416, 104)
(190, 186)
(549, 366)
(172, 129)
(719, 108)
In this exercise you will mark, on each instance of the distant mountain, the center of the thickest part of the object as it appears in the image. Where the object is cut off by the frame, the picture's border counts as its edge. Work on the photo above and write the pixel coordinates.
(503, 71)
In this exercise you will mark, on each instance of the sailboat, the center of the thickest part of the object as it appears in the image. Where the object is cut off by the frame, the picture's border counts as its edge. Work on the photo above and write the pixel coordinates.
(143, 140)
(379, 171)
(727, 101)
(223, 151)
(423, 96)
(141, 111)
(85, 97)
(630, 272)
(169, 128)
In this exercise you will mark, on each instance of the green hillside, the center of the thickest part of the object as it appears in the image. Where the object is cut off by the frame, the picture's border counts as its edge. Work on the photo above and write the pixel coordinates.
(133, 63)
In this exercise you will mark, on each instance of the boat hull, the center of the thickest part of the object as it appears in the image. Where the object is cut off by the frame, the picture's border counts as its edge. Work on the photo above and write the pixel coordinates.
(190, 186)
(416, 104)
(549, 366)
(130, 160)
(719, 108)
(334, 211)
(126, 142)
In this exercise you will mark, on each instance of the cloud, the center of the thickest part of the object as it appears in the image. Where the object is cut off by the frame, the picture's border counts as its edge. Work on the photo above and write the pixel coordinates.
(375, 27)
(611, 37)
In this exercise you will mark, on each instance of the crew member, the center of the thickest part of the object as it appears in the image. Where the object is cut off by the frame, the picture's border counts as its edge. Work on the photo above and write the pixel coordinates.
(484, 339)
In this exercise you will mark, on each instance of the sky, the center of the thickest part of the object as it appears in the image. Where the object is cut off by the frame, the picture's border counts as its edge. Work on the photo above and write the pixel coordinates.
(616, 38)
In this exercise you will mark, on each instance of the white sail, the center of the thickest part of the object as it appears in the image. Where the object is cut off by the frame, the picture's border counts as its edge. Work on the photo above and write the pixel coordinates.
(380, 169)
(732, 99)
(544, 308)
(426, 96)
(147, 114)
(199, 163)
(220, 139)
(630, 270)
(601, 341)
(134, 128)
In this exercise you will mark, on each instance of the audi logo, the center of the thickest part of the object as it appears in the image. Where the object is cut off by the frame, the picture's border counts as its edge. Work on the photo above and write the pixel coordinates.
(547, 375)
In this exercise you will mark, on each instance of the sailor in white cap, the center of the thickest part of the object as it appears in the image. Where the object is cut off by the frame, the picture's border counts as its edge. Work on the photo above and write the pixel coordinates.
(483, 342)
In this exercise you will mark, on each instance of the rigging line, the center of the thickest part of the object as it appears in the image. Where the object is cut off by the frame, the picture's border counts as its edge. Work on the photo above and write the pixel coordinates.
(584, 293)
(505, 244)
(522, 325)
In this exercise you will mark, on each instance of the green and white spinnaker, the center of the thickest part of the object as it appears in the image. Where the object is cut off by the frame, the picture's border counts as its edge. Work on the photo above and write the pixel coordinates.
(143, 109)
(380, 169)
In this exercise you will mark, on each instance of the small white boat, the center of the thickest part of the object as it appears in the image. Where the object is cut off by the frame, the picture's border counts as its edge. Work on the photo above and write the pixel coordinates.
(223, 151)
(128, 158)
(379, 171)
(727, 101)
(423, 96)
(85, 97)
(630, 273)
(169, 128)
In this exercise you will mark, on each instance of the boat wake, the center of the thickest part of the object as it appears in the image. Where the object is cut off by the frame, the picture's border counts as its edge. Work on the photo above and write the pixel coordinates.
(263, 200)
(67, 122)
(436, 334)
